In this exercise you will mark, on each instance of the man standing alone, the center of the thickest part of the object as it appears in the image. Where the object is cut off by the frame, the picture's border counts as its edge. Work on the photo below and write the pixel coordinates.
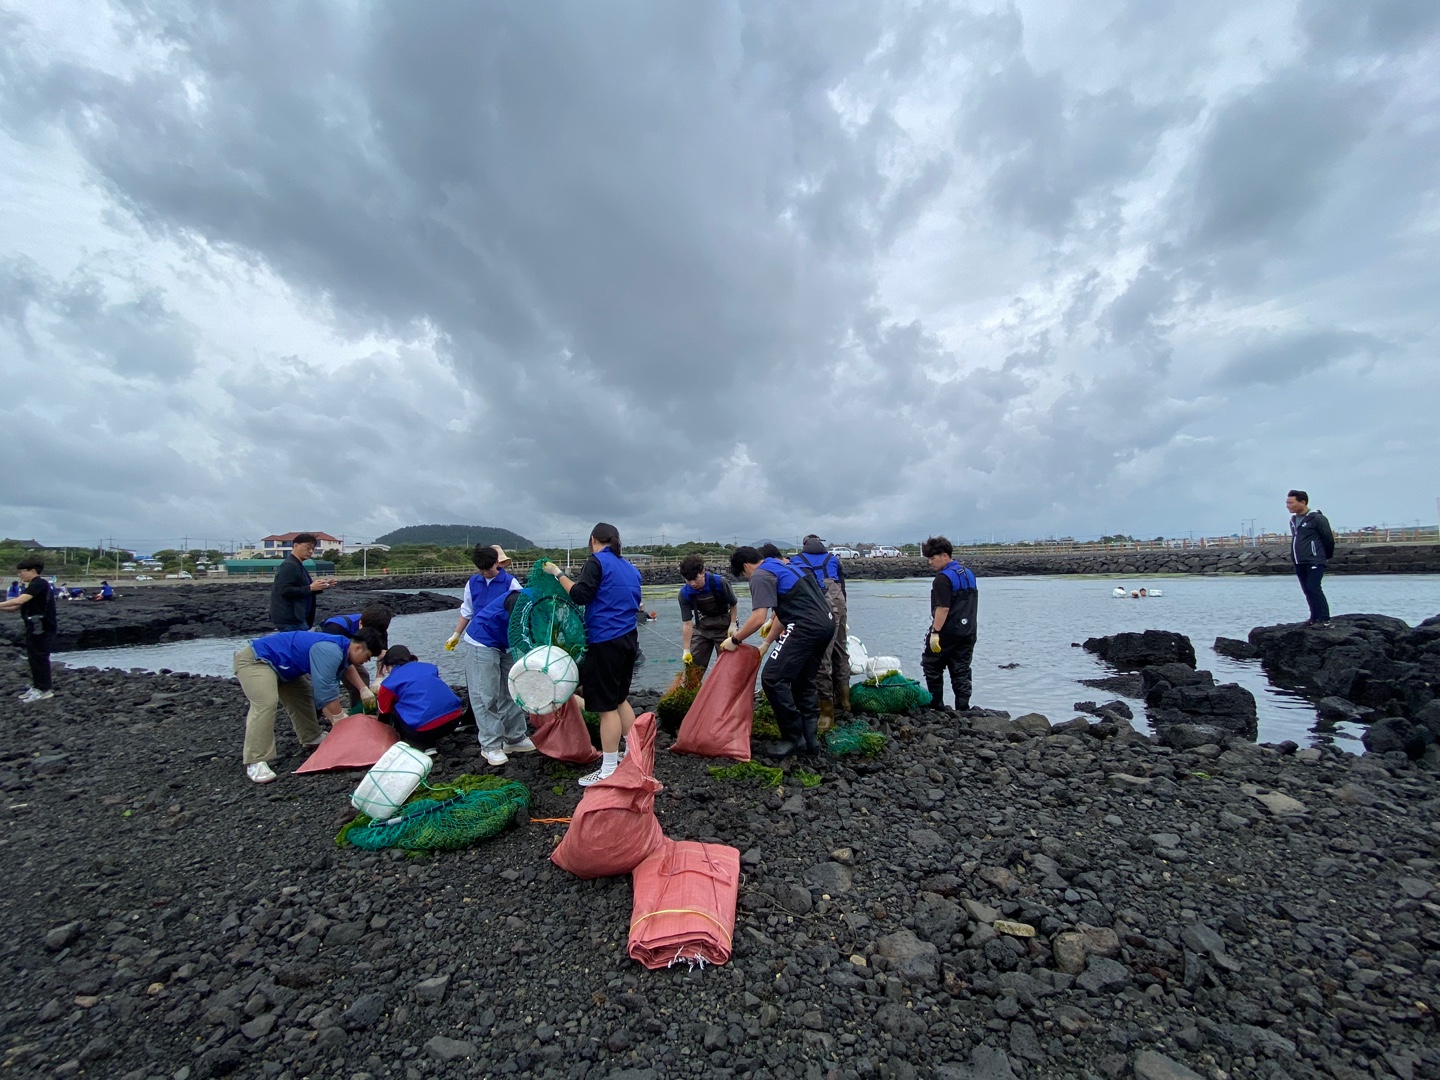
(1311, 545)
(292, 594)
(36, 604)
(950, 640)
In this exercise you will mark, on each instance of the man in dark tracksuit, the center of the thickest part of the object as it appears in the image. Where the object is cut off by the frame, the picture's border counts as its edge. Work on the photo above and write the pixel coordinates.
(36, 604)
(801, 630)
(1311, 544)
(950, 638)
(292, 594)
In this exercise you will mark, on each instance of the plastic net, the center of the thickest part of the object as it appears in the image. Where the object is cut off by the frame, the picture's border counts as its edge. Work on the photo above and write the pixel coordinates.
(443, 817)
(857, 738)
(544, 615)
(893, 693)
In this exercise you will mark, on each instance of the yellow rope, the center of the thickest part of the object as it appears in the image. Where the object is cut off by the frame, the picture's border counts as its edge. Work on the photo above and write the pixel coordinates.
(684, 911)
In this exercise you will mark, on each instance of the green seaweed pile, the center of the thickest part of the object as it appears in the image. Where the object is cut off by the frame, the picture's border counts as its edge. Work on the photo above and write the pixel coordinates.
(767, 775)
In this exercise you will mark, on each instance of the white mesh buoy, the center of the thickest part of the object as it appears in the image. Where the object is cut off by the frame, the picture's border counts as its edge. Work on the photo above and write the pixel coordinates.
(877, 666)
(856, 649)
(543, 679)
(391, 781)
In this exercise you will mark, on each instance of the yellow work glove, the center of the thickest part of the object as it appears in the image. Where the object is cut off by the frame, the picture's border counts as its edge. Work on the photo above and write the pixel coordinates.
(765, 630)
(452, 641)
(729, 644)
(551, 569)
(934, 641)
(367, 695)
(688, 658)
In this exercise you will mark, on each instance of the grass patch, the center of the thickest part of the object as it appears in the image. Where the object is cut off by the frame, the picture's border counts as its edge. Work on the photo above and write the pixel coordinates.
(805, 778)
(749, 770)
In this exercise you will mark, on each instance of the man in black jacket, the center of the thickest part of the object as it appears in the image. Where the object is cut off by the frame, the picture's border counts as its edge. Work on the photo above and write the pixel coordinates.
(36, 605)
(292, 595)
(1311, 545)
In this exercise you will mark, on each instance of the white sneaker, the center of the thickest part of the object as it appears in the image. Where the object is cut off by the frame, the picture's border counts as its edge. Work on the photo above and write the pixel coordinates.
(261, 773)
(30, 695)
(524, 746)
(596, 776)
(494, 757)
(42, 695)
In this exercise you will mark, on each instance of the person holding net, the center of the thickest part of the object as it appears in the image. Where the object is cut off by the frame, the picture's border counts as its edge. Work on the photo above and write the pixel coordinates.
(707, 612)
(609, 591)
(483, 632)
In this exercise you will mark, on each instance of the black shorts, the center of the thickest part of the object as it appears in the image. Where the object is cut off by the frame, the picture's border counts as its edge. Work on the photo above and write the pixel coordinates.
(606, 671)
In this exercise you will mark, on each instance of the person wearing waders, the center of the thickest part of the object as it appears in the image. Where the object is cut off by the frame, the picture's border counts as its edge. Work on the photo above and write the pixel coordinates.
(485, 644)
(833, 680)
(801, 627)
(1311, 544)
(950, 638)
(609, 591)
(301, 669)
(707, 612)
(357, 679)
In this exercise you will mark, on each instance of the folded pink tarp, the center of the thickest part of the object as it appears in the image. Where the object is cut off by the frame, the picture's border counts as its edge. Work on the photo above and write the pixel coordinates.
(684, 911)
(355, 742)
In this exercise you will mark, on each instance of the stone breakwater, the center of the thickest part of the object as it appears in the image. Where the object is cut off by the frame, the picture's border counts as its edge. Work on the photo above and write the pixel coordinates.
(987, 898)
(146, 616)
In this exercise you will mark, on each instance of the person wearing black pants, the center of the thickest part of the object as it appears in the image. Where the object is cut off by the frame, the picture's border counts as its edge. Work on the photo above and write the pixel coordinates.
(950, 638)
(1311, 544)
(799, 626)
(36, 604)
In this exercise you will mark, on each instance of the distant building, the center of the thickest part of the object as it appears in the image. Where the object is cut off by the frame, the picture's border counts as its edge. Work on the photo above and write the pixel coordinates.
(280, 544)
(24, 545)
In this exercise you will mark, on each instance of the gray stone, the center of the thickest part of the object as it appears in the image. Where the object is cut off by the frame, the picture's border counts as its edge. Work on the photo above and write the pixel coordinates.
(912, 959)
(899, 1021)
(61, 936)
(927, 840)
(258, 1028)
(1102, 974)
(830, 877)
(1152, 1066)
(344, 934)
(982, 913)
(433, 990)
(365, 1013)
(986, 1063)
(443, 1049)
(1032, 724)
(1203, 940)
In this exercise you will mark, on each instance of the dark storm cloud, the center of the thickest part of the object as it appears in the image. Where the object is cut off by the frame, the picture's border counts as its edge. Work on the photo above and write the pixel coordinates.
(721, 265)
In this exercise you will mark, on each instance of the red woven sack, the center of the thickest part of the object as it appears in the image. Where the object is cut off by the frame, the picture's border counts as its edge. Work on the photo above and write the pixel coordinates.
(718, 723)
(614, 827)
(684, 909)
(562, 735)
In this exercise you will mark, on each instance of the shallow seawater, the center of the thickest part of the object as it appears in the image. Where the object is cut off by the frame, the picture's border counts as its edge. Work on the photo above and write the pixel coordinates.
(1026, 621)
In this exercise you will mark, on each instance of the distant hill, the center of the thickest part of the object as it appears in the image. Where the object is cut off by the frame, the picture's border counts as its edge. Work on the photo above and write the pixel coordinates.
(455, 536)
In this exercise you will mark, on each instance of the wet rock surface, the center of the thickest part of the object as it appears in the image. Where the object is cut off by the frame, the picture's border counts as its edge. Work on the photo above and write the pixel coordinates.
(146, 615)
(984, 899)
(1133, 651)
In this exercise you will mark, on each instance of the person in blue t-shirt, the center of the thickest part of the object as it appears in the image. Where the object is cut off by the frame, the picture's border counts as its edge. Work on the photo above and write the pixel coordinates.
(609, 591)
(301, 669)
(950, 637)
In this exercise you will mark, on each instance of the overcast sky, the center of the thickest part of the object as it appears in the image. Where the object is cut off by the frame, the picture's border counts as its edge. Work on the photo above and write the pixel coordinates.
(717, 269)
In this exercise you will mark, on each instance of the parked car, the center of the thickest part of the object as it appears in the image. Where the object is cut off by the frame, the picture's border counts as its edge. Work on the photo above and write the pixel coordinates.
(185, 575)
(143, 577)
(884, 553)
(845, 553)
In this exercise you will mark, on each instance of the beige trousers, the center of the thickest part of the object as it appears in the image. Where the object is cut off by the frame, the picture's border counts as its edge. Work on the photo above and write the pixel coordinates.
(266, 692)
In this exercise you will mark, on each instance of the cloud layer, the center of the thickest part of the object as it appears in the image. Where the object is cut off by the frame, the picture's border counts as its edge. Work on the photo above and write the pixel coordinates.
(722, 269)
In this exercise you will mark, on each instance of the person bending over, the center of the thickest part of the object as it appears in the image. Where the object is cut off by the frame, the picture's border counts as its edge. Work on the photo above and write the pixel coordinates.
(609, 591)
(302, 669)
(483, 634)
(707, 611)
(414, 699)
(799, 626)
(950, 638)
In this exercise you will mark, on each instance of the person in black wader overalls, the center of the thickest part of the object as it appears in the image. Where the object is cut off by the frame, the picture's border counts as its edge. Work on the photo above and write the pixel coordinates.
(801, 628)
(950, 637)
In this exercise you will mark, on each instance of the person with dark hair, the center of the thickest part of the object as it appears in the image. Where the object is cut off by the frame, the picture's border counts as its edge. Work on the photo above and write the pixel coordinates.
(950, 638)
(1312, 543)
(292, 593)
(801, 628)
(105, 593)
(483, 634)
(414, 699)
(13, 591)
(770, 551)
(301, 669)
(707, 611)
(833, 680)
(36, 604)
(376, 616)
(609, 590)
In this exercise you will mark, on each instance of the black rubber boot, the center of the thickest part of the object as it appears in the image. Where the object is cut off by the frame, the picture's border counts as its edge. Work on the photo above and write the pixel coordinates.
(784, 748)
(937, 694)
(812, 736)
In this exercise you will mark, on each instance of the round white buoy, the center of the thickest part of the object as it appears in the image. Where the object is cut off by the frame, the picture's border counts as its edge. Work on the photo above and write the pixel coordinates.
(543, 679)
(856, 648)
(1119, 590)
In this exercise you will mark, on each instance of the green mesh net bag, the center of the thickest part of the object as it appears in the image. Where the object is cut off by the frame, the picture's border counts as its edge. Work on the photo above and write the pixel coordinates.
(443, 817)
(856, 738)
(893, 693)
(544, 615)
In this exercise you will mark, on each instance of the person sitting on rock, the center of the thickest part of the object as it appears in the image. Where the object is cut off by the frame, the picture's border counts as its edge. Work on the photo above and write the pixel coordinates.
(414, 699)
(801, 628)
(302, 669)
(375, 616)
(105, 593)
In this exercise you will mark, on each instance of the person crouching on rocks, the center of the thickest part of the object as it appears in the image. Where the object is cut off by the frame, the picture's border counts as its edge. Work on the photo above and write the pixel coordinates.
(707, 611)
(302, 669)
(375, 616)
(801, 628)
(483, 635)
(950, 640)
(414, 699)
(609, 591)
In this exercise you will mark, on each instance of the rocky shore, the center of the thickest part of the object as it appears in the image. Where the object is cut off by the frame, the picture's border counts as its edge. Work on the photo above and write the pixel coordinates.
(988, 898)
(146, 616)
